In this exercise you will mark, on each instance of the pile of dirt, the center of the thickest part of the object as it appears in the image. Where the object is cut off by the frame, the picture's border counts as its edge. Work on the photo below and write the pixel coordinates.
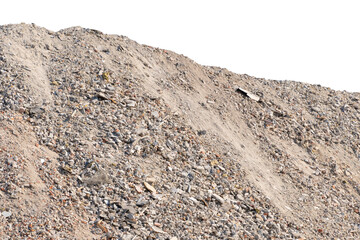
(104, 138)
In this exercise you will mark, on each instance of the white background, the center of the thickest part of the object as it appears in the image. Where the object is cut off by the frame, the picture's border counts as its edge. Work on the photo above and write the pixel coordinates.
(312, 41)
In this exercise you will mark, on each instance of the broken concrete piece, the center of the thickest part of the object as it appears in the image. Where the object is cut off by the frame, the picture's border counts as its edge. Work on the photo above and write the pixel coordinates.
(248, 94)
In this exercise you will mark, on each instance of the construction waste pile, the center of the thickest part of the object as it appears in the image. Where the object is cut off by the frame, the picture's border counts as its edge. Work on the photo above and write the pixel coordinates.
(105, 138)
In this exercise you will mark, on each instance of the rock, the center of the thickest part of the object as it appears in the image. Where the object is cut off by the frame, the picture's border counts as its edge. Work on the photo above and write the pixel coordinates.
(128, 208)
(248, 94)
(194, 200)
(150, 180)
(130, 218)
(156, 229)
(130, 103)
(218, 198)
(201, 132)
(141, 202)
(138, 189)
(150, 188)
(155, 114)
(100, 225)
(6, 214)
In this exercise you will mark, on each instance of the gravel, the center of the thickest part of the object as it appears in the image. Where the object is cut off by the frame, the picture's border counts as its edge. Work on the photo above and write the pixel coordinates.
(99, 140)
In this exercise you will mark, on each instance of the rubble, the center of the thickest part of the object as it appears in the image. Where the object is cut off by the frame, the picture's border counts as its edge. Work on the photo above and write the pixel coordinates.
(248, 94)
(127, 141)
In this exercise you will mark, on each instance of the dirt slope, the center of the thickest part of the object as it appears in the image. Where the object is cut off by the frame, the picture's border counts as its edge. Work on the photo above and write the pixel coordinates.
(102, 137)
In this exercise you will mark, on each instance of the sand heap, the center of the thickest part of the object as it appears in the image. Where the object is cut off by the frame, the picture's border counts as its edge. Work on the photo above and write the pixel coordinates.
(104, 138)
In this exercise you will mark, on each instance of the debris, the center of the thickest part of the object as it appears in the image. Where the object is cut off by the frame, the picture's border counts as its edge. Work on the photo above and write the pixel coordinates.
(102, 97)
(150, 188)
(141, 202)
(67, 169)
(106, 75)
(247, 94)
(150, 180)
(138, 189)
(100, 225)
(201, 132)
(156, 229)
(130, 218)
(218, 198)
(6, 214)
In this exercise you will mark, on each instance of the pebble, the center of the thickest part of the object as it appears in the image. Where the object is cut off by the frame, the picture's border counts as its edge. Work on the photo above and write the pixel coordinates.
(6, 214)
(149, 187)
(218, 198)
(141, 202)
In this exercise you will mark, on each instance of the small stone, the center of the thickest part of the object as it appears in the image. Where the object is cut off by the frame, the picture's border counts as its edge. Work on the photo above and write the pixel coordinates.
(157, 196)
(127, 236)
(138, 189)
(218, 198)
(130, 103)
(155, 114)
(128, 208)
(102, 97)
(201, 132)
(240, 197)
(141, 202)
(130, 218)
(156, 229)
(100, 225)
(150, 180)
(194, 200)
(6, 214)
(149, 187)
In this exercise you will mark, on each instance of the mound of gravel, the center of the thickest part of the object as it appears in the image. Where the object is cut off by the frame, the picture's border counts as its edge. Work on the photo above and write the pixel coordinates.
(104, 138)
